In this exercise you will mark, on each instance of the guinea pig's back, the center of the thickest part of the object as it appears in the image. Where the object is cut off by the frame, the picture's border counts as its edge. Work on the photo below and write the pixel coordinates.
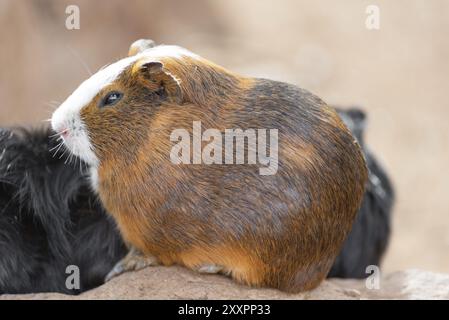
(307, 208)
(288, 227)
(282, 230)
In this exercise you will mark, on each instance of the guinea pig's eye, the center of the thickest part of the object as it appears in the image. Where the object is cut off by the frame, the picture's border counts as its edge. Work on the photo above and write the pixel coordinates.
(111, 98)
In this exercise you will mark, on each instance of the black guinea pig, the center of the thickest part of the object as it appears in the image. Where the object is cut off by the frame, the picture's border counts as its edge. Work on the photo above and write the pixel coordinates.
(49, 219)
(368, 239)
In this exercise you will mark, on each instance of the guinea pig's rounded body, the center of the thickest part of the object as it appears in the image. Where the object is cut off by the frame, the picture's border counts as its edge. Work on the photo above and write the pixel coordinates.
(280, 230)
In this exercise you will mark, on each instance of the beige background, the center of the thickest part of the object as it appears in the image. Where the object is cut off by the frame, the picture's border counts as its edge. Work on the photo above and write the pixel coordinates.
(399, 74)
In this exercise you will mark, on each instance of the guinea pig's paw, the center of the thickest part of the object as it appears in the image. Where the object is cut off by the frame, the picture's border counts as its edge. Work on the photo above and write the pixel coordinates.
(133, 261)
(209, 268)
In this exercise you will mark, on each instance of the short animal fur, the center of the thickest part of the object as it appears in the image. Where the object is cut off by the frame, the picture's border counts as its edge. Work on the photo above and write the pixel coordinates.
(282, 231)
(98, 246)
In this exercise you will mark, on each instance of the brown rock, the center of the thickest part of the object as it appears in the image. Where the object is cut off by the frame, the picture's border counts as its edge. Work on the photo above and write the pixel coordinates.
(180, 283)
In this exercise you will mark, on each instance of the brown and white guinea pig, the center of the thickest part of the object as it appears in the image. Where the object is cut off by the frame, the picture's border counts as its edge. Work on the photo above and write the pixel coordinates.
(280, 230)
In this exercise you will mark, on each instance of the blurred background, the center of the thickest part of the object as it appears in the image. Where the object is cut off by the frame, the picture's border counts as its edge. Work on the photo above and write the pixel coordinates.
(399, 74)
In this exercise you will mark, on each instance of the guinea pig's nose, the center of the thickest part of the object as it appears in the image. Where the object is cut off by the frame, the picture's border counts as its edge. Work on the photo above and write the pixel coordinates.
(64, 133)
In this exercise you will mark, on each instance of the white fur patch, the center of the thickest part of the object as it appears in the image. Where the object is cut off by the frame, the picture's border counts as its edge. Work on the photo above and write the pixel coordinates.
(94, 178)
(84, 94)
(67, 116)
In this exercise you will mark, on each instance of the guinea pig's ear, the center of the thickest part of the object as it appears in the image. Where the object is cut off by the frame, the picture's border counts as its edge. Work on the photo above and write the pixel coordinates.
(154, 76)
(140, 46)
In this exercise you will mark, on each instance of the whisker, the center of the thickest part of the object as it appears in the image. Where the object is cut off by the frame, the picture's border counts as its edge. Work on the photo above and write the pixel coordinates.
(65, 150)
(58, 133)
(51, 106)
(55, 147)
(84, 64)
(81, 166)
(67, 160)
(60, 146)
(54, 135)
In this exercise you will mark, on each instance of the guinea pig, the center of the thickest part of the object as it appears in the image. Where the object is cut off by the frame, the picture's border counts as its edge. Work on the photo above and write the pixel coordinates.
(278, 223)
(97, 240)
(49, 219)
(42, 193)
(370, 233)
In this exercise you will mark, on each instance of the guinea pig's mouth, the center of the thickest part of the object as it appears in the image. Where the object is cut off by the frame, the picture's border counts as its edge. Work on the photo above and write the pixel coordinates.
(74, 137)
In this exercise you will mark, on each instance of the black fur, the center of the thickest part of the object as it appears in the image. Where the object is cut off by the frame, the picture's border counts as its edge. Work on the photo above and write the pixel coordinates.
(370, 233)
(50, 219)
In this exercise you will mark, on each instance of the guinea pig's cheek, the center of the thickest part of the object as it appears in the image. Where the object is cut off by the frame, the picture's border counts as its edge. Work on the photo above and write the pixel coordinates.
(82, 145)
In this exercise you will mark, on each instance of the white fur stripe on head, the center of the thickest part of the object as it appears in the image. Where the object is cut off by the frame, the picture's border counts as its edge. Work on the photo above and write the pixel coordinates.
(67, 116)
(84, 94)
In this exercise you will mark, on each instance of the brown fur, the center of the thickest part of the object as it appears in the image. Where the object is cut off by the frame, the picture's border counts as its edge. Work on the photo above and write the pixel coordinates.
(281, 231)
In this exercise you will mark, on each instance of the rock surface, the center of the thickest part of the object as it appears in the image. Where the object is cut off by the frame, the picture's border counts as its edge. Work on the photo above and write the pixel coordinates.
(179, 283)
